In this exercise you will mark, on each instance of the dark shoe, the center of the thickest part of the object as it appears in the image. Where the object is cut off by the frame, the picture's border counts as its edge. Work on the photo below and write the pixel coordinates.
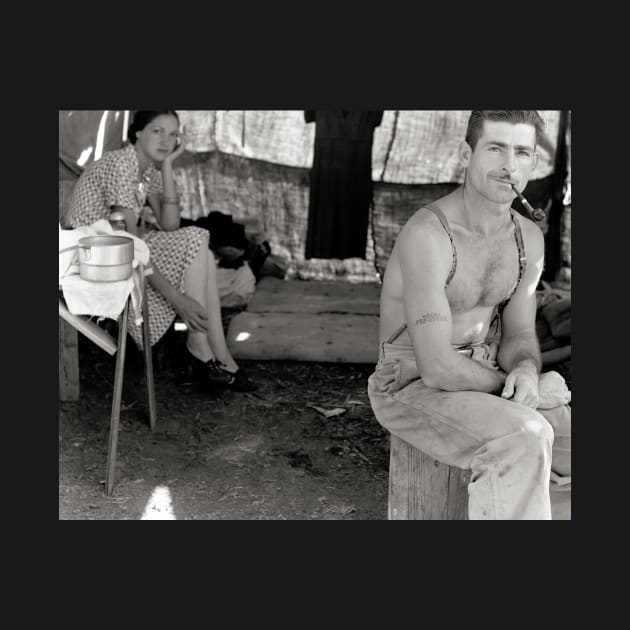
(213, 374)
(236, 381)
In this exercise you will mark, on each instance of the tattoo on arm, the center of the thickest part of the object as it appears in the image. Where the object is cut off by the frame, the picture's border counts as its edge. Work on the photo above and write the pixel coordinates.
(430, 318)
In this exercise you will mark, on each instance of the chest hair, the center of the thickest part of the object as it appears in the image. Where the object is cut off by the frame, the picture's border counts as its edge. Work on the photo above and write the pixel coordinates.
(487, 270)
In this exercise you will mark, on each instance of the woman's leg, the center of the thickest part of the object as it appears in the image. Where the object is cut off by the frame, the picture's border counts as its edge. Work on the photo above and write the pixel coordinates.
(201, 285)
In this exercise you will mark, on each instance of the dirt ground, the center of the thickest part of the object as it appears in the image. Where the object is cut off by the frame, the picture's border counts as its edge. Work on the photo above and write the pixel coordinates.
(265, 455)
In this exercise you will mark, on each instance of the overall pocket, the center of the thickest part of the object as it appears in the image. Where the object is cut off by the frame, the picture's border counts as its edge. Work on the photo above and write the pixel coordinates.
(405, 372)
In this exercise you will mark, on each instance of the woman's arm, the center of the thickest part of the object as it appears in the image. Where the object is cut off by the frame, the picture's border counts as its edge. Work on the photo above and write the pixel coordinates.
(166, 206)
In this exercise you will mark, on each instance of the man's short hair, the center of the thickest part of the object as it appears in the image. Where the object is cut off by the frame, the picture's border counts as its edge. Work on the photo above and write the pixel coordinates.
(514, 116)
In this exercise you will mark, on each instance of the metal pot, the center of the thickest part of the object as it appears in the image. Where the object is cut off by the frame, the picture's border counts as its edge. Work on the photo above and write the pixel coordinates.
(105, 258)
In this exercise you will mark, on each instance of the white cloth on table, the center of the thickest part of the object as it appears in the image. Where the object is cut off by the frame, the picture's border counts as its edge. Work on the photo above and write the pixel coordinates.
(100, 299)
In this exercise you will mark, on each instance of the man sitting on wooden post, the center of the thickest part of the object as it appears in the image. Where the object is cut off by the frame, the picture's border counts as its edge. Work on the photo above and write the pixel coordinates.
(460, 380)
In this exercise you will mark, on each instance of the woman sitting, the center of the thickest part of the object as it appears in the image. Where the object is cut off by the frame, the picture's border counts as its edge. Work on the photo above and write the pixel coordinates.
(184, 279)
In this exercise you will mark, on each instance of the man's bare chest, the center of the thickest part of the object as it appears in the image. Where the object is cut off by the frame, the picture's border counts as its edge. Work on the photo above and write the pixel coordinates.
(486, 273)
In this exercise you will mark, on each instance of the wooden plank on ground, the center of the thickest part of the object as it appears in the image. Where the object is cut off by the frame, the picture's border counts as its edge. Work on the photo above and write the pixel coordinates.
(274, 295)
(68, 362)
(327, 337)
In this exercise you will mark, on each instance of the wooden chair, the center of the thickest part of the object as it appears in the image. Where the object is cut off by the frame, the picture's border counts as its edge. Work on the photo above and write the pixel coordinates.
(421, 488)
(69, 372)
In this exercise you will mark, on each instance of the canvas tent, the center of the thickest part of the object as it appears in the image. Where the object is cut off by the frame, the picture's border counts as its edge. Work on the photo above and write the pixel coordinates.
(256, 164)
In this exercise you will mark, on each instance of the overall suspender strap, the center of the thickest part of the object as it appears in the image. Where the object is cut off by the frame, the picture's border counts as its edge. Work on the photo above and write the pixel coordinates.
(522, 256)
(440, 215)
(522, 260)
(397, 334)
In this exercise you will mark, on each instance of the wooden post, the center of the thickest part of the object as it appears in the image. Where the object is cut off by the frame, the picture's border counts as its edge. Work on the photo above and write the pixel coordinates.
(423, 489)
(68, 362)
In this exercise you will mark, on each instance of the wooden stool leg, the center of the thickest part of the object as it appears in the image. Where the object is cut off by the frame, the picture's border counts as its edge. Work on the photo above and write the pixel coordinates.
(421, 488)
(68, 362)
(148, 361)
(116, 402)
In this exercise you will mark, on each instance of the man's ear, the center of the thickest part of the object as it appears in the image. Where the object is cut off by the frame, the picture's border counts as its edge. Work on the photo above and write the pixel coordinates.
(535, 160)
(465, 153)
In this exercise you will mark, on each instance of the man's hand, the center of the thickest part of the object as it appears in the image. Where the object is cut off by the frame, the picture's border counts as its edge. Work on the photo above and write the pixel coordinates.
(192, 313)
(521, 386)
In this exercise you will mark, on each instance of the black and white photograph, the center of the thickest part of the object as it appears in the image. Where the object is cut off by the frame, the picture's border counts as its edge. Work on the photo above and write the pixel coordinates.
(290, 314)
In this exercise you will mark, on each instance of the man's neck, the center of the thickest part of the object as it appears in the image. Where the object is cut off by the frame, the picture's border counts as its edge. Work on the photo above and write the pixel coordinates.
(480, 215)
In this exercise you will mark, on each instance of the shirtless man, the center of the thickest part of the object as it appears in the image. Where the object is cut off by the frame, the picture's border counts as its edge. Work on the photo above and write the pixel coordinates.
(458, 375)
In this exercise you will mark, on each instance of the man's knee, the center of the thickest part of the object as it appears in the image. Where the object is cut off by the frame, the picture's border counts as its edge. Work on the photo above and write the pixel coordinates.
(534, 434)
(560, 420)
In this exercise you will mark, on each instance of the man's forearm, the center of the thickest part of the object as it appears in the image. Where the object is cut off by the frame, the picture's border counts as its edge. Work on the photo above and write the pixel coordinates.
(464, 374)
(519, 350)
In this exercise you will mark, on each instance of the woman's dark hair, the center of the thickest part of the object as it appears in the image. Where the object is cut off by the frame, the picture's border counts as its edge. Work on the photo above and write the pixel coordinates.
(142, 118)
(477, 118)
